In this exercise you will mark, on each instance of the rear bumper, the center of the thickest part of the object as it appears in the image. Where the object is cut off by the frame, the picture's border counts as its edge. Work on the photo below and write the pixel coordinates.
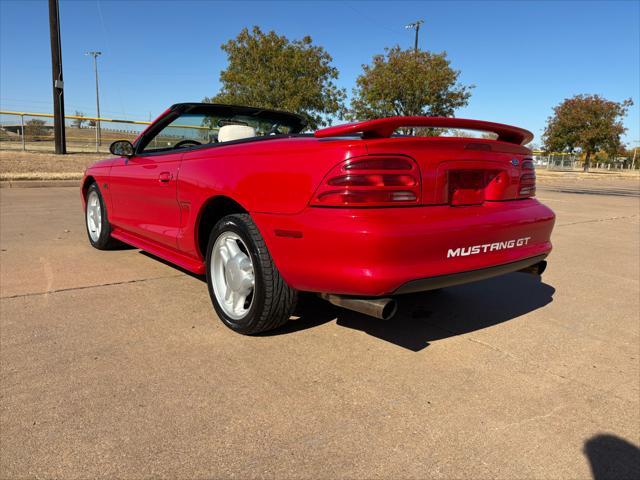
(377, 251)
(442, 281)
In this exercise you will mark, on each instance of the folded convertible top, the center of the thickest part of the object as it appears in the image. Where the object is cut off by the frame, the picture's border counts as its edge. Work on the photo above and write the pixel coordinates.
(384, 127)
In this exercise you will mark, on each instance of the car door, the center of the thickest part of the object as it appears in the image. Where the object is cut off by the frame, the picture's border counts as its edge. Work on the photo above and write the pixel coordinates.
(144, 196)
(144, 187)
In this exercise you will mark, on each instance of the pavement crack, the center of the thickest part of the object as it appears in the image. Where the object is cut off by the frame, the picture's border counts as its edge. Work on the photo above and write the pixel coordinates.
(71, 289)
(595, 220)
(539, 367)
(531, 419)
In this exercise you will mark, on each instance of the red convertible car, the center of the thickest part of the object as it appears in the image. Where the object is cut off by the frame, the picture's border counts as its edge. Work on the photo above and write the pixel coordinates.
(358, 213)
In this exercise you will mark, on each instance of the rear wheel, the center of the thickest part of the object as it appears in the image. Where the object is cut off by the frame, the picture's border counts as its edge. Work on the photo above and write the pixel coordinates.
(98, 226)
(246, 289)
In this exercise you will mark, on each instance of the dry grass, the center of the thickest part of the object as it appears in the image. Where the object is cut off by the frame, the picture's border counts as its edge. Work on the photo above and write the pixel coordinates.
(19, 165)
(542, 174)
(44, 166)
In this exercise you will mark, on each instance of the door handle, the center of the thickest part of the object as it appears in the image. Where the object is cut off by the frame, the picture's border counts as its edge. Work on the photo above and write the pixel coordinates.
(165, 177)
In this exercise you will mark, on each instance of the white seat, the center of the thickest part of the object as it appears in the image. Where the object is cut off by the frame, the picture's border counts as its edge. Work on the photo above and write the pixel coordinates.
(228, 133)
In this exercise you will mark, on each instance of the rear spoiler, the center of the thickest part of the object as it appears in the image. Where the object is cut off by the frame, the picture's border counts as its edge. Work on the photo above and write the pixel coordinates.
(384, 128)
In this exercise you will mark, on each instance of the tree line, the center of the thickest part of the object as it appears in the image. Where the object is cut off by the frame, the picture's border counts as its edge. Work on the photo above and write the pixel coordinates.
(271, 71)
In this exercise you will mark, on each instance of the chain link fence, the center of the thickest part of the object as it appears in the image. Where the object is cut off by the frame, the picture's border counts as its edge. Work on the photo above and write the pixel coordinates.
(553, 161)
(34, 131)
(570, 162)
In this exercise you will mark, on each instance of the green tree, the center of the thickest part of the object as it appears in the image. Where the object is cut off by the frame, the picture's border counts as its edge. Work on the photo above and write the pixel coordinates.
(35, 128)
(270, 71)
(408, 82)
(586, 122)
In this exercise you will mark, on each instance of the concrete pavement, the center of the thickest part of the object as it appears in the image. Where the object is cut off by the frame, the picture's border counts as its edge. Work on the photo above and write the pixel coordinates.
(113, 364)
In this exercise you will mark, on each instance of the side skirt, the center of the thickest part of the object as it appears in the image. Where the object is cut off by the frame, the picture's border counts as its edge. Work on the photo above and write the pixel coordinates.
(168, 254)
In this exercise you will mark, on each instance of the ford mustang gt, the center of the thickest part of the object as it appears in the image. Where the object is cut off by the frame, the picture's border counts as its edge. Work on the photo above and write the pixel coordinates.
(358, 213)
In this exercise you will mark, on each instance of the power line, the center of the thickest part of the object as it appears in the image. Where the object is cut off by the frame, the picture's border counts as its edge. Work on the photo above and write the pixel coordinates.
(22, 105)
(110, 51)
(371, 19)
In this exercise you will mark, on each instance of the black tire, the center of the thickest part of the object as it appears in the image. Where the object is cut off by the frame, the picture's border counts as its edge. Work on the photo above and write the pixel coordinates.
(273, 300)
(104, 240)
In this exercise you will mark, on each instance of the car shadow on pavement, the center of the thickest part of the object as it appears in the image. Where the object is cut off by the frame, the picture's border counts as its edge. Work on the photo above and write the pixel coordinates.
(429, 316)
(612, 457)
(426, 316)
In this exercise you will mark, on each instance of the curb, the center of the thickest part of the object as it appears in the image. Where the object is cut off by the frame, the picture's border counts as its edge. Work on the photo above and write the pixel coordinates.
(39, 183)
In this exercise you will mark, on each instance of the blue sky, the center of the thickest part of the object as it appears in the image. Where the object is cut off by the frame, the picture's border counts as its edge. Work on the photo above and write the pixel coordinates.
(523, 57)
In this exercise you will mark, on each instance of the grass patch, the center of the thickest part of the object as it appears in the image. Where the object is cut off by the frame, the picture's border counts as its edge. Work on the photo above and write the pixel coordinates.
(5, 176)
(16, 165)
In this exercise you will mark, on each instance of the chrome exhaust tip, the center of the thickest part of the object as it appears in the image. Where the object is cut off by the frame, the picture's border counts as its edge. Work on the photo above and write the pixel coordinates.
(536, 268)
(382, 308)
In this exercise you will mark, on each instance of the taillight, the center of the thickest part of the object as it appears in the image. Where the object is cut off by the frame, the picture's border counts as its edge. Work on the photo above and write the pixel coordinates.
(371, 181)
(527, 186)
(467, 187)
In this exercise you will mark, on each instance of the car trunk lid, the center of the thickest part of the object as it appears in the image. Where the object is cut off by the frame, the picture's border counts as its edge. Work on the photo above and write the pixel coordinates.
(454, 170)
(462, 171)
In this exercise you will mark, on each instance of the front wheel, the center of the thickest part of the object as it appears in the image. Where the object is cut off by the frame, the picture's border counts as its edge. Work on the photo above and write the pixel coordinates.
(246, 289)
(96, 221)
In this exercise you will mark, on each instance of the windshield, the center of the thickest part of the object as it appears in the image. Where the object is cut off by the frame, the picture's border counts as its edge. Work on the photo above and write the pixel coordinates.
(212, 124)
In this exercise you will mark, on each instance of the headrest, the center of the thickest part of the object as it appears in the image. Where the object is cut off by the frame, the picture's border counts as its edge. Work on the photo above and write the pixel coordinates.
(228, 133)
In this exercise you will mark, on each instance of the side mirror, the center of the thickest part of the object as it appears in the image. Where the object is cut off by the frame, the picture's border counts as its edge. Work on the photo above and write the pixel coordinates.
(121, 148)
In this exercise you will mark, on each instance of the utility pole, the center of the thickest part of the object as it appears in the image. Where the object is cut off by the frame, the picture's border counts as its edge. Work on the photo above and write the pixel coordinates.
(95, 69)
(58, 83)
(415, 26)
